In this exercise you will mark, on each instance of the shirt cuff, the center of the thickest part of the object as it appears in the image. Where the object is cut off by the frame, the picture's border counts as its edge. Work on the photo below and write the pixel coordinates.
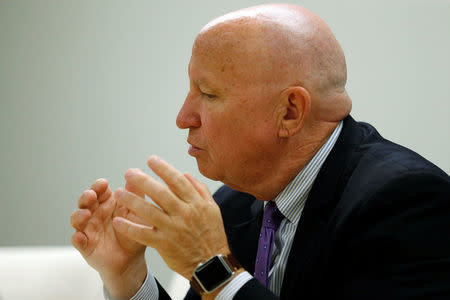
(234, 286)
(148, 290)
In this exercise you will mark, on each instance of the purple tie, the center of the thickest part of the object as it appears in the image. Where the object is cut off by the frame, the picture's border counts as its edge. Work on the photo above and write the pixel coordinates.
(271, 220)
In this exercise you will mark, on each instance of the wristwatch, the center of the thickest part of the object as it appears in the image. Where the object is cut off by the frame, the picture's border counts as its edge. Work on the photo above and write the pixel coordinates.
(213, 273)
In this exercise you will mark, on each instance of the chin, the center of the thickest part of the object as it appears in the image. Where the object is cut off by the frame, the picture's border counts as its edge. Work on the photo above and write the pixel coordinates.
(209, 171)
(214, 174)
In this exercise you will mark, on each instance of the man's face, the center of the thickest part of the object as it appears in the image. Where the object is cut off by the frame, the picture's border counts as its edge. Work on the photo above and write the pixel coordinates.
(231, 117)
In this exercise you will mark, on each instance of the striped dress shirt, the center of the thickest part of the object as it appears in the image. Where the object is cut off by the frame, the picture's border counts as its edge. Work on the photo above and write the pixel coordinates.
(290, 202)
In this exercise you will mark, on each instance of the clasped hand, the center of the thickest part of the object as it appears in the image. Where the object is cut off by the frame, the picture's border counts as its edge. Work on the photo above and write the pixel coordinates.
(185, 229)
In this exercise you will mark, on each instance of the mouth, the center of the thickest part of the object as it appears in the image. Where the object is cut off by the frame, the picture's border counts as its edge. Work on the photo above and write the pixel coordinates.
(194, 150)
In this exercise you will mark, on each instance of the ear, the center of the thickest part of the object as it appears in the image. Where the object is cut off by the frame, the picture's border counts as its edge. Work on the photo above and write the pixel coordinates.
(295, 108)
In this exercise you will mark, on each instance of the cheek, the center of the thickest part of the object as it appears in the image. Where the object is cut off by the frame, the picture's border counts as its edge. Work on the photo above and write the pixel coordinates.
(217, 130)
(238, 130)
(224, 137)
(238, 138)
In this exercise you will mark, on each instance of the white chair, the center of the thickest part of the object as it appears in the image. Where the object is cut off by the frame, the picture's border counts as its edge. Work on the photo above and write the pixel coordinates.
(49, 273)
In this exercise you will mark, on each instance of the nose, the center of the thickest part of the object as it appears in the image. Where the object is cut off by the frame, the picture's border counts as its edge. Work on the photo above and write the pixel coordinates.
(189, 115)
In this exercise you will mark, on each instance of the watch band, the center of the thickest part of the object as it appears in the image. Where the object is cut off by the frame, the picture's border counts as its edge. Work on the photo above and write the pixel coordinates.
(196, 286)
(230, 260)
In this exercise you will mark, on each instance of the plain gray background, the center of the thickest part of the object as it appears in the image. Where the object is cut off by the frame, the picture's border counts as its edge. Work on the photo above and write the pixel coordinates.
(89, 89)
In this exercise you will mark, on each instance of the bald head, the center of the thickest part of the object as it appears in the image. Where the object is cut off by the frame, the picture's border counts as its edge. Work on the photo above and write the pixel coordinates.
(267, 88)
(279, 46)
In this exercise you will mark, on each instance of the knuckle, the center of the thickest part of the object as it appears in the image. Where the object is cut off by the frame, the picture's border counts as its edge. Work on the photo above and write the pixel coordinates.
(86, 197)
(177, 206)
(95, 224)
(78, 217)
(97, 183)
(73, 219)
(88, 193)
(178, 180)
(126, 199)
(142, 231)
(186, 214)
(73, 240)
(202, 206)
(122, 211)
(148, 181)
(204, 187)
(105, 195)
(137, 231)
(141, 178)
(75, 214)
(150, 210)
(160, 191)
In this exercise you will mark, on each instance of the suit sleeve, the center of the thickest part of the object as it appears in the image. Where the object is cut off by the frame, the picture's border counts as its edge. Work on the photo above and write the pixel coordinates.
(398, 244)
(251, 290)
(254, 290)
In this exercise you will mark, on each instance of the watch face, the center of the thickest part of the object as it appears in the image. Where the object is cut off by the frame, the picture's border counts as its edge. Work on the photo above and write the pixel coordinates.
(213, 273)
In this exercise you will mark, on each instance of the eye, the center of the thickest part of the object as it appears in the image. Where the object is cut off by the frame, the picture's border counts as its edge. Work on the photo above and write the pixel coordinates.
(210, 96)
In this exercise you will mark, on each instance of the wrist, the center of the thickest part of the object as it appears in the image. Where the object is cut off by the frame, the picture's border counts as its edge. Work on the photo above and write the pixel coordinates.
(213, 295)
(127, 283)
(213, 274)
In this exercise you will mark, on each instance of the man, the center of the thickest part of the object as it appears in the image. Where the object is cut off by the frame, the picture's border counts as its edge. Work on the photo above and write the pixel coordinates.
(268, 115)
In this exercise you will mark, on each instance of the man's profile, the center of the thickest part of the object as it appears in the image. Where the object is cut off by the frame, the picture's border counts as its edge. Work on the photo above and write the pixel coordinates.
(315, 204)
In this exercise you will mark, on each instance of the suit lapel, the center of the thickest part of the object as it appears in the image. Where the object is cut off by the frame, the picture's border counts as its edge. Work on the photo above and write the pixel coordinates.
(244, 237)
(242, 219)
(322, 200)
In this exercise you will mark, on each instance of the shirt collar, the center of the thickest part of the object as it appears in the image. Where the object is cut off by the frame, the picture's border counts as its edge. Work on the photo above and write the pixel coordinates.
(291, 200)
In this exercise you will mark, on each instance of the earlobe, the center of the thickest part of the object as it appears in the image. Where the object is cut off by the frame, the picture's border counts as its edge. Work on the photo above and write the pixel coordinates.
(296, 106)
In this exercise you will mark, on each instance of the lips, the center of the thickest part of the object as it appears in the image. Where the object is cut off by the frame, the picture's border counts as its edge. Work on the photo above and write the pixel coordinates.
(193, 144)
(194, 150)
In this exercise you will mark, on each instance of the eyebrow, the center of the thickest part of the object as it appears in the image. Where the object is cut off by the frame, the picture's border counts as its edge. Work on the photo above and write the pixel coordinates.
(204, 84)
(201, 81)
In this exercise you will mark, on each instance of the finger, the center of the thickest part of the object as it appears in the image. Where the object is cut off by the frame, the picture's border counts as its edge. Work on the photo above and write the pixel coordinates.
(124, 212)
(145, 235)
(79, 218)
(156, 190)
(99, 185)
(131, 188)
(88, 199)
(102, 189)
(143, 209)
(201, 188)
(79, 241)
(173, 178)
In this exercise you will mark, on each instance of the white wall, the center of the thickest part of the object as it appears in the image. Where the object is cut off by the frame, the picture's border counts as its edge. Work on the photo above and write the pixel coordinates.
(91, 88)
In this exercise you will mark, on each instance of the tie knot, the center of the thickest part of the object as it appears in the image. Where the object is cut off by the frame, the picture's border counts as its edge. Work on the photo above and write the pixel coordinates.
(272, 216)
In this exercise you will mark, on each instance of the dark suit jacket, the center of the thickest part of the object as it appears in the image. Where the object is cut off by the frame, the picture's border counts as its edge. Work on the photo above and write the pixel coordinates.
(376, 225)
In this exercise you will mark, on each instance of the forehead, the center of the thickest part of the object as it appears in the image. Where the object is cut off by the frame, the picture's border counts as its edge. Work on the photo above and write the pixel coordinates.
(217, 48)
(230, 54)
(212, 63)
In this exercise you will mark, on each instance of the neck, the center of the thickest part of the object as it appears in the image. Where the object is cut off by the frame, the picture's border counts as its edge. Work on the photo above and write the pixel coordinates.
(292, 159)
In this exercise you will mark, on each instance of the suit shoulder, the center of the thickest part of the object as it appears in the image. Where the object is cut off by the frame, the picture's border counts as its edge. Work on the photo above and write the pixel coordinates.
(380, 167)
(236, 207)
(377, 161)
(229, 199)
